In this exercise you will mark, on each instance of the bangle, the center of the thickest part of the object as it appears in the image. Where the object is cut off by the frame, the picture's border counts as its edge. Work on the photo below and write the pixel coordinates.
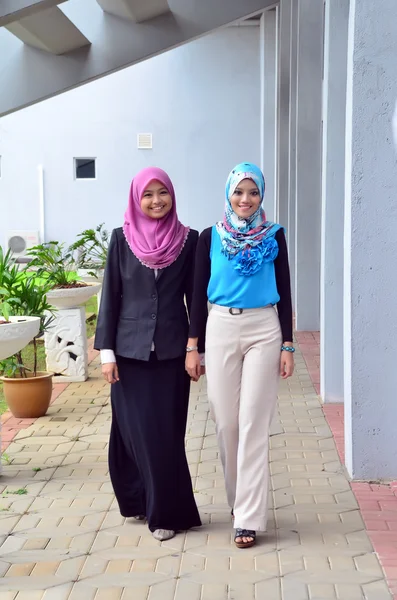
(191, 348)
(287, 348)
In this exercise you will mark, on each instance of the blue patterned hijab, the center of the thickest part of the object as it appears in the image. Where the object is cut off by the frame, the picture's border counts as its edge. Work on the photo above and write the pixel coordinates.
(249, 241)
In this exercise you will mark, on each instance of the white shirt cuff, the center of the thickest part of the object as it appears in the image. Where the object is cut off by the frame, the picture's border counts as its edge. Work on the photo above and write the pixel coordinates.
(107, 356)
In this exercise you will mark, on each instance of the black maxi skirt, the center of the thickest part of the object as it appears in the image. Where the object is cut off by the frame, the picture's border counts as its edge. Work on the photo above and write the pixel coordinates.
(147, 459)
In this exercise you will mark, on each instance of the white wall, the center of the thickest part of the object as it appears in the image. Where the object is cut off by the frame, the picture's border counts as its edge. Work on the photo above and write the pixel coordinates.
(200, 101)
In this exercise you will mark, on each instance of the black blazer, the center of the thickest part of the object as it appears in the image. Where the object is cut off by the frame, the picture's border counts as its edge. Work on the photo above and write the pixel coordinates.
(136, 309)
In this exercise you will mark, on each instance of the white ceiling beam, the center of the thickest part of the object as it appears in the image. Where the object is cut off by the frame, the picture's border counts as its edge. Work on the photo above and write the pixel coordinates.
(135, 10)
(14, 10)
(49, 30)
(28, 75)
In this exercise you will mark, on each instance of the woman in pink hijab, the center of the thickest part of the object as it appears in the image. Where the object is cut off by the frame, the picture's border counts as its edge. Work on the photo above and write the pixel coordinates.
(141, 333)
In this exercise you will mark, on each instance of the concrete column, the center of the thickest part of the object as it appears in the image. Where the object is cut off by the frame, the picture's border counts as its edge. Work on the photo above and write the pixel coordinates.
(291, 225)
(370, 277)
(333, 190)
(284, 77)
(269, 77)
(308, 161)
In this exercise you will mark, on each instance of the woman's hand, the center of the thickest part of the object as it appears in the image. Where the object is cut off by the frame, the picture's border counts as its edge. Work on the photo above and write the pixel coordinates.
(286, 364)
(110, 372)
(193, 365)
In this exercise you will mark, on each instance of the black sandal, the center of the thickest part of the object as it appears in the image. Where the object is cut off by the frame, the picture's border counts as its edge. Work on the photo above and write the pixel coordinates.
(245, 533)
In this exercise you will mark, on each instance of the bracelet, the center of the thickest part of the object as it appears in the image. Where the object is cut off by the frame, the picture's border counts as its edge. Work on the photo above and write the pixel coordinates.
(191, 348)
(287, 348)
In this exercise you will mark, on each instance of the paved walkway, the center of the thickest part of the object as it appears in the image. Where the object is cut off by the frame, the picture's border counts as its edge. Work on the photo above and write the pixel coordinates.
(62, 537)
(377, 500)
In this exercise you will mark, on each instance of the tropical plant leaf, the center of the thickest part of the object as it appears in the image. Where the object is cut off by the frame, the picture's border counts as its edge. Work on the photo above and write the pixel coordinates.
(92, 245)
(54, 263)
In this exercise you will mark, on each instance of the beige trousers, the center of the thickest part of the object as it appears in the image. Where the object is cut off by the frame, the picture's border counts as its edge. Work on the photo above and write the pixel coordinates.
(242, 366)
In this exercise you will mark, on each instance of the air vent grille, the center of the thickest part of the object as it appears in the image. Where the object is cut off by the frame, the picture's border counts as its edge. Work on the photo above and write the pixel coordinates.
(145, 141)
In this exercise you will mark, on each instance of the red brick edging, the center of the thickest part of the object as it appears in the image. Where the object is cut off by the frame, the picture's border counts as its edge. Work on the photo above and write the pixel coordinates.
(377, 502)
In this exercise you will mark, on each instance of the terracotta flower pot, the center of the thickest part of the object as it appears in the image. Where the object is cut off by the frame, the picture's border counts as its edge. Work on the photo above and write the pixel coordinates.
(30, 397)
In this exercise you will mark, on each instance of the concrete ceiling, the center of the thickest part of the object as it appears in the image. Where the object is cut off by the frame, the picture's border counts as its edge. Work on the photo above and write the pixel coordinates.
(13, 10)
(51, 46)
(136, 10)
(49, 30)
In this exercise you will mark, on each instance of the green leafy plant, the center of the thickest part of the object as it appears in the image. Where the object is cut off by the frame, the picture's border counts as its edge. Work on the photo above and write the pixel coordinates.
(92, 247)
(11, 366)
(54, 264)
(28, 299)
(5, 458)
(20, 492)
(10, 277)
(9, 272)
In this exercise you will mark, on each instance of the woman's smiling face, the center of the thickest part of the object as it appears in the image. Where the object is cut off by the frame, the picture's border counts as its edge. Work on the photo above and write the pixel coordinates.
(156, 201)
(246, 199)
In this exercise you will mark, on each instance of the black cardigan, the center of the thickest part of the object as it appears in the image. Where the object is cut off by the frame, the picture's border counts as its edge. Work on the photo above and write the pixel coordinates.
(199, 312)
(136, 309)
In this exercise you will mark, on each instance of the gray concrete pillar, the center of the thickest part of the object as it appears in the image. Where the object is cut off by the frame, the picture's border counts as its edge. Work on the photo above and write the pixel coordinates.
(308, 164)
(370, 278)
(291, 226)
(284, 78)
(333, 200)
(269, 78)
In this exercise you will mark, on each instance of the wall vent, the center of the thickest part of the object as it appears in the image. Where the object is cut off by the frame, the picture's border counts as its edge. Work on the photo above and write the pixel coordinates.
(145, 141)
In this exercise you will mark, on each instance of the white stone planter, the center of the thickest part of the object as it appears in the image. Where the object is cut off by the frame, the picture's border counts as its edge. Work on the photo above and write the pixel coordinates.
(72, 297)
(87, 278)
(16, 335)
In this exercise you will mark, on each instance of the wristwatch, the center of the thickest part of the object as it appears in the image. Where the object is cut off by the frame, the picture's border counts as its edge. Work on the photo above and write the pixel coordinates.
(191, 348)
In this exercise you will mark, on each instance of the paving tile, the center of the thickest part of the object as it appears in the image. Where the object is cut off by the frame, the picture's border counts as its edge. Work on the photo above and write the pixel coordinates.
(122, 580)
(24, 582)
(187, 589)
(376, 590)
(221, 576)
(135, 553)
(30, 595)
(80, 591)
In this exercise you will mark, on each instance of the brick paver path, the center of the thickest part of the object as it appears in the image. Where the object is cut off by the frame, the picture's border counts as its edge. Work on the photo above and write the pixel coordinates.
(65, 539)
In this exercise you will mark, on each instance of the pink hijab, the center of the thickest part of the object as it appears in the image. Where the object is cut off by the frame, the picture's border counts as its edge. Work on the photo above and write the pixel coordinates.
(156, 243)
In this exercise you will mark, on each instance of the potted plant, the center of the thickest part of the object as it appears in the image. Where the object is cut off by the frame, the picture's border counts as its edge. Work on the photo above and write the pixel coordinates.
(15, 331)
(92, 247)
(54, 265)
(26, 389)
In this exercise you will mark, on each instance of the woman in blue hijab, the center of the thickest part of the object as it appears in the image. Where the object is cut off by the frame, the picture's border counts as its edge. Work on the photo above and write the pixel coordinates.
(242, 270)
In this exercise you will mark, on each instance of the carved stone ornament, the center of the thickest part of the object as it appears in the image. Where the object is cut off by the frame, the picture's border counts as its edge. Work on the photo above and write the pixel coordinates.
(66, 345)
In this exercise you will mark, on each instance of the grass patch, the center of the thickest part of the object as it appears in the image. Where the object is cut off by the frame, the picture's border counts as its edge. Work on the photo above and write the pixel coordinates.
(5, 459)
(27, 353)
(20, 492)
(91, 305)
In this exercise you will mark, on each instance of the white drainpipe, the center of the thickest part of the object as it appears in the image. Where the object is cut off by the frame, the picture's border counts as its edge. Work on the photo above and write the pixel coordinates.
(40, 171)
